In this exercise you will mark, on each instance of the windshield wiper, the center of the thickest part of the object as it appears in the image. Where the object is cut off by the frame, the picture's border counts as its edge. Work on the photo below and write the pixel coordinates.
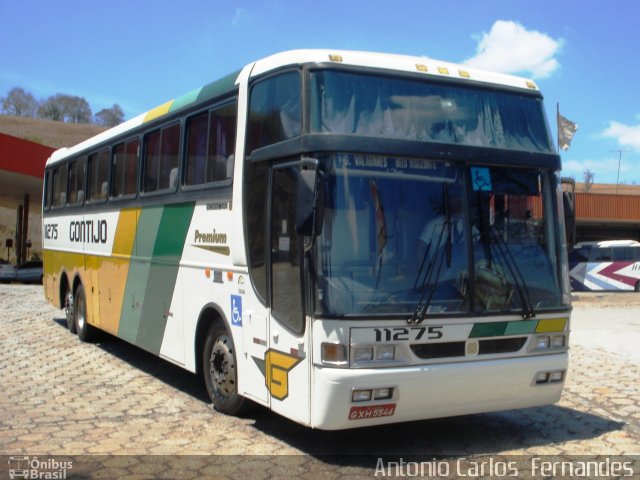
(429, 278)
(518, 279)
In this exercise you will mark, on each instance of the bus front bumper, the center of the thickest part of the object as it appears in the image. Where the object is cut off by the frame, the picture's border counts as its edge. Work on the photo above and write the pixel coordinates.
(433, 391)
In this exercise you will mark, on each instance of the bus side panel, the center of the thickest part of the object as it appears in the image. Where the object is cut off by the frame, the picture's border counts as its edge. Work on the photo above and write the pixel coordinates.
(152, 275)
(114, 271)
(163, 277)
(138, 273)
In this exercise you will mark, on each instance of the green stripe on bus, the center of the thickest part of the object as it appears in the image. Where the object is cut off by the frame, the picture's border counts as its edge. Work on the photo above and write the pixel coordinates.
(522, 327)
(134, 295)
(185, 100)
(163, 273)
(493, 329)
(219, 87)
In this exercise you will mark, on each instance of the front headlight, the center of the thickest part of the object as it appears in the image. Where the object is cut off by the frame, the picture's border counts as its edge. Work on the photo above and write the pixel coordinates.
(548, 343)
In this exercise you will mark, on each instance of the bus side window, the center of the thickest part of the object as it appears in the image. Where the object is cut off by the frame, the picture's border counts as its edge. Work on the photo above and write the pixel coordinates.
(77, 170)
(622, 253)
(161, 158)
(98, 176)
(210, 145)
(600, 254)
(47, 190)
(274, 110)
(59, 181)
(124, 168)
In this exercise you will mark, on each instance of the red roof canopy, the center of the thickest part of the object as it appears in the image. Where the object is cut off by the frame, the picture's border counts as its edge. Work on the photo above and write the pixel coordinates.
(22, 156)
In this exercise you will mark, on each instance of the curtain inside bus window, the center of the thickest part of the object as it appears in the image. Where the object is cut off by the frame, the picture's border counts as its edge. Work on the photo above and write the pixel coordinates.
(117, 169)
(152, 161)
(130, 181)
(77, 180)
(60, 186)
(197, 148)
(170, 147)
(98, 175)
(370, 105)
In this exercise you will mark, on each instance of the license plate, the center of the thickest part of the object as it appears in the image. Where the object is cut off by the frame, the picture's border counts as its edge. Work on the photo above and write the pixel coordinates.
(372, 411)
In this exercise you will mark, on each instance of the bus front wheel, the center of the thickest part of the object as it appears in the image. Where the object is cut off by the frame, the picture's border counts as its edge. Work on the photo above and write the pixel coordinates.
(220, 371)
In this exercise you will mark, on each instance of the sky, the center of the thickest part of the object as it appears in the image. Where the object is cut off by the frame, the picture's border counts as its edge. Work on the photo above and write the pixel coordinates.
(583, 54)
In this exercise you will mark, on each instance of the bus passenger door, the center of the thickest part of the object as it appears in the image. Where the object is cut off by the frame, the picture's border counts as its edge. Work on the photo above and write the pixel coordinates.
(287, 360)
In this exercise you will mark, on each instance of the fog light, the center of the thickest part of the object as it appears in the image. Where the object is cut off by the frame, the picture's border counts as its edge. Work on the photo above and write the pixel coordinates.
(361, 396)
(542, 377)
(334, 353)
(557, 341)
(386, 352)
(382, 393)
(362, 354)
(556, 377)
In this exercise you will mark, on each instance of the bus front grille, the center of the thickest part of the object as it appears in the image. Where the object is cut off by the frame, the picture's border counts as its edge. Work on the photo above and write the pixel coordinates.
(427, 351)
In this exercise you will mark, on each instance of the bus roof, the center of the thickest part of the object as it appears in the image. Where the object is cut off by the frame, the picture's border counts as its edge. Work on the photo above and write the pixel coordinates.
(386, 61)
(608, 243)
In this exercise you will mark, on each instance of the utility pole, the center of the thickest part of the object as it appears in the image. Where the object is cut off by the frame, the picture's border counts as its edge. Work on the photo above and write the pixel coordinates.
(620, 152)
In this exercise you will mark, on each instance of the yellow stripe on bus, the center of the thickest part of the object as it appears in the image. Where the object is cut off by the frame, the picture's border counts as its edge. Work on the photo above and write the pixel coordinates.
(158, 111)
(115, 269)
(551, 325)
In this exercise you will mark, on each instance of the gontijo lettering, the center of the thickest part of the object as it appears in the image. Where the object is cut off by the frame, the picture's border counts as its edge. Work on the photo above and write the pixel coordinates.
(88, 231)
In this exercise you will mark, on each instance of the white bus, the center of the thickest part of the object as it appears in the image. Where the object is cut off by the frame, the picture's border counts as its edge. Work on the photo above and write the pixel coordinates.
(346, 238)
(605, 265)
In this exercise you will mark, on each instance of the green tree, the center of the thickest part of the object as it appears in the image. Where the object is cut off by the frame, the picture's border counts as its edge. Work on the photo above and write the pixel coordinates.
(109, 117)
(65, 108)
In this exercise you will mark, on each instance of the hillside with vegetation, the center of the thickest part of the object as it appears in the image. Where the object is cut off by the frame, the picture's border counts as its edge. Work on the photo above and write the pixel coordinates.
(48, 132)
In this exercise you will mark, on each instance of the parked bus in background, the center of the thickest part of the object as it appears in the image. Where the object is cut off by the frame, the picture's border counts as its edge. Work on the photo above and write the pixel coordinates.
(605, 265)
(346, 238)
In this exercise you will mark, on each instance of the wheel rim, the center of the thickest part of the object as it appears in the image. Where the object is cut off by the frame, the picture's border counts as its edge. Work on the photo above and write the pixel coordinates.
(222, 368)
(68, 305)
(80, 312)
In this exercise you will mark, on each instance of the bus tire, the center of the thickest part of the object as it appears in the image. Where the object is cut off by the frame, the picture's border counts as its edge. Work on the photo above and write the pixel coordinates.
(220, 372)
(637, 287)
(86, 332)
(69, 309)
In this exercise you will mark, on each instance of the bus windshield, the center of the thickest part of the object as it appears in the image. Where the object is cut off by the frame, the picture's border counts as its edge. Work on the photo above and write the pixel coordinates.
(375, 105)
(399, 236)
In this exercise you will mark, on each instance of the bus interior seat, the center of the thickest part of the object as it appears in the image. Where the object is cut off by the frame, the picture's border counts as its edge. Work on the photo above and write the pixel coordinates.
(173, 178)
(230, 164)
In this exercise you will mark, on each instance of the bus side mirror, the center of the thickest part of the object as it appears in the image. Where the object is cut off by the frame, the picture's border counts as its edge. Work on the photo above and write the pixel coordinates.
(309, 199)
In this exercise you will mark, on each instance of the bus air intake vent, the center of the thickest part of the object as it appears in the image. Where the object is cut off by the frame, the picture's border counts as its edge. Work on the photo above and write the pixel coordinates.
(457, 349)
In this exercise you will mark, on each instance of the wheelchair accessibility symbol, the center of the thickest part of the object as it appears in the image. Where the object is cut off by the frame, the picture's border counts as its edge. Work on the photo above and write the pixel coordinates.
(236, 310)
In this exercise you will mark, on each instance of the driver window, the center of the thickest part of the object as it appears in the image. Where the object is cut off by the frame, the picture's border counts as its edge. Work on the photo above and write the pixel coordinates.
(286, 252)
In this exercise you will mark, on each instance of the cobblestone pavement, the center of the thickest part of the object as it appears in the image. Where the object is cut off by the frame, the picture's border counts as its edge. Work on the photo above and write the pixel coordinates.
(59, 396)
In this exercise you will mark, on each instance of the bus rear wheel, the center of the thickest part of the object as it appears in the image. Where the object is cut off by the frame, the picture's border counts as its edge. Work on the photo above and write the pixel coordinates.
(637, 287)
(220, 371)
(69, 310)
(86, 332)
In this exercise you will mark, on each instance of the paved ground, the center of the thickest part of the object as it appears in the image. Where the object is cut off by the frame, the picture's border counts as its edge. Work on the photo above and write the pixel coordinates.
(61, 397)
